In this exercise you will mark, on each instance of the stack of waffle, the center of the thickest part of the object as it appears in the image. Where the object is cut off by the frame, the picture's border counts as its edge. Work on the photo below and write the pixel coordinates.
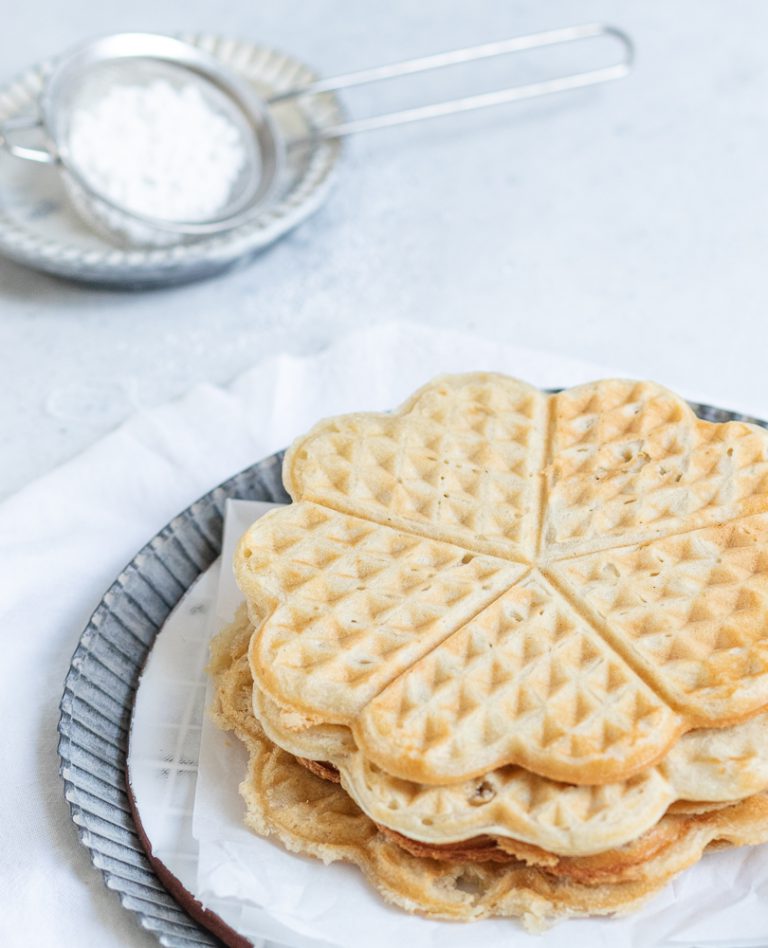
(508, 651)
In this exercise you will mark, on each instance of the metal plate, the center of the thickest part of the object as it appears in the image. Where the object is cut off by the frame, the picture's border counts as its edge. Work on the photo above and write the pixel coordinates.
(102, 680)
(101, 683)
(39, 229)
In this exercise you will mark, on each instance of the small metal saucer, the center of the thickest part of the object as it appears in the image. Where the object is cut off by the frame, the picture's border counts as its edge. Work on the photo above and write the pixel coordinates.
(38, 227)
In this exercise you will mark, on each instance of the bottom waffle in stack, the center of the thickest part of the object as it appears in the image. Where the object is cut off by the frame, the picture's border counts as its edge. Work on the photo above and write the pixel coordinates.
(307, 804)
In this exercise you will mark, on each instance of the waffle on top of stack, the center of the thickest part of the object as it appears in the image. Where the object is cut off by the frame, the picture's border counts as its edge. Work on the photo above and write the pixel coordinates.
(518, 625)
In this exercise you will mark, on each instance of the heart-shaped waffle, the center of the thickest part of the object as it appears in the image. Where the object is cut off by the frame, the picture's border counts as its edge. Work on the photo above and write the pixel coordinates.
(492, 575)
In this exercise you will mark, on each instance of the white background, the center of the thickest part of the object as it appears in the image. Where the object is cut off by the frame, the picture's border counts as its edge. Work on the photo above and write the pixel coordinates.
(627, 225)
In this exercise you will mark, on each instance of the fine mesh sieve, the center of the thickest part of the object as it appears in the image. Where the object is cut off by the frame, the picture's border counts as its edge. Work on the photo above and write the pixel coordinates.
(82, 75)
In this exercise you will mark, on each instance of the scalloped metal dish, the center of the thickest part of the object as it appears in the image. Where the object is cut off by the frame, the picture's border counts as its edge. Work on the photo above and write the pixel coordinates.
(38, 228)
(99, 692)
(100, 686)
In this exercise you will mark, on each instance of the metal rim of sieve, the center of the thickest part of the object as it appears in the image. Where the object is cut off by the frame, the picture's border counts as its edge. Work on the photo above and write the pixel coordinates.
(72, 69)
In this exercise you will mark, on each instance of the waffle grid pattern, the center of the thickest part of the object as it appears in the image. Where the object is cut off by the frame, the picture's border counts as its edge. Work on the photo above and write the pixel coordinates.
(609, 470)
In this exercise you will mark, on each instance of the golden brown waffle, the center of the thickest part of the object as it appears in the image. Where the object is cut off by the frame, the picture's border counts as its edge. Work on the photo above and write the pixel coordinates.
(527, 681)
(691, 611)
(377, 617)
(356, 602)
(313, 816)
(629, 461)
(457, 462)
(634, 862)
(511, 804)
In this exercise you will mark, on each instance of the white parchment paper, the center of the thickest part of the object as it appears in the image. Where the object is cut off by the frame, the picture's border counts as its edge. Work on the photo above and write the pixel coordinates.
(265, 891)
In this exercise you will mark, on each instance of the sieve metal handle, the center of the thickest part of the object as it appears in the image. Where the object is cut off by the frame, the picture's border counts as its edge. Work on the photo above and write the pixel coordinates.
(23, 123)
(455, 57)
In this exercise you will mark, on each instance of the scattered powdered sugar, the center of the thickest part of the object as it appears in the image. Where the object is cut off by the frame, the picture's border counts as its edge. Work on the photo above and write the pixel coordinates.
(158, 150)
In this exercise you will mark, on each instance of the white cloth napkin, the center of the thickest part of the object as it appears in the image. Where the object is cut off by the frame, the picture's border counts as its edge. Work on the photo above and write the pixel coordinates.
(65, 537)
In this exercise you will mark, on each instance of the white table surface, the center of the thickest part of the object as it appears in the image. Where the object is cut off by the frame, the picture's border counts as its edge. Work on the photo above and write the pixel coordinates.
(627, 225)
